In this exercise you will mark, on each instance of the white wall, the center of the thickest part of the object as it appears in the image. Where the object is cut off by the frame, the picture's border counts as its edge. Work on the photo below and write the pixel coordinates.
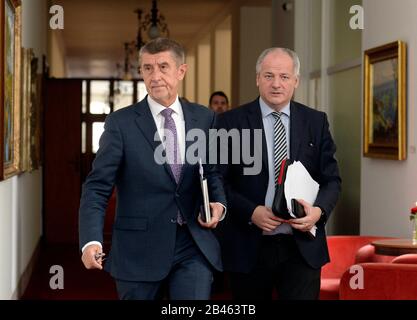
(209, 63)
(331, 83)
(34, 27)
(29, 220)
(283, 23)
(203, 71)
(389, 188)
(223, 58)
(7, 188)
(190, 76)
(255, 36)
(20, 196)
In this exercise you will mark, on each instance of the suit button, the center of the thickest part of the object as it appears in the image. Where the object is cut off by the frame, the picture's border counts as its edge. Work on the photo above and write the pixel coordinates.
(174, 220)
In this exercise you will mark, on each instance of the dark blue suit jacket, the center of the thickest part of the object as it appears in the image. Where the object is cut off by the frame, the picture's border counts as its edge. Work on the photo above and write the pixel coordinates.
(310, 143)
(148, 198)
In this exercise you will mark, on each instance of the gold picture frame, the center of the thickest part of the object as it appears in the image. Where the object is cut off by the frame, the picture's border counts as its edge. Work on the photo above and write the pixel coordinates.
(10, 84)
(27, 55)
(30, 129)
(385, 102)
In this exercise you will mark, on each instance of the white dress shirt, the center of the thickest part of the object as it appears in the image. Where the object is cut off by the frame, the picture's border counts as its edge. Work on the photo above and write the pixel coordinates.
(178, 117)
(268, 122)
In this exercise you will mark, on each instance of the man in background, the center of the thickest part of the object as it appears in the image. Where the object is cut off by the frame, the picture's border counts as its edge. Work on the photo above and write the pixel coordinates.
(219, 102)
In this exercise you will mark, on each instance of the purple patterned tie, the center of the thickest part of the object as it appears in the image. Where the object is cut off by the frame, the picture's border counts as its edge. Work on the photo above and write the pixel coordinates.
(172, 149)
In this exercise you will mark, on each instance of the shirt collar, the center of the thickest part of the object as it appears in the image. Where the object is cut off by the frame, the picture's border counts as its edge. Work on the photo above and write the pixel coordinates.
(267, 110)
(156, 108)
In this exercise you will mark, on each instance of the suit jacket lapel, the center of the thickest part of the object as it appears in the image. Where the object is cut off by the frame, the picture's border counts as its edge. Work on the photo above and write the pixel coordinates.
(191, 122)
(297, 127)
(255, 122)
(146, 124)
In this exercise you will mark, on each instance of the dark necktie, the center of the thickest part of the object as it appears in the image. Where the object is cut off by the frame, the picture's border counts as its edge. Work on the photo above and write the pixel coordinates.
(280, 143)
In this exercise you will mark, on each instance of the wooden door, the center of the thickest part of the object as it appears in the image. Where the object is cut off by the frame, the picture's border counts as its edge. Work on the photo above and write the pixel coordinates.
(75, 111)
(61, 173)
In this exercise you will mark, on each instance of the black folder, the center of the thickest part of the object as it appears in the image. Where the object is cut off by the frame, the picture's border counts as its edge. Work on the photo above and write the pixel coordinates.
(297, 209)
(279, 205)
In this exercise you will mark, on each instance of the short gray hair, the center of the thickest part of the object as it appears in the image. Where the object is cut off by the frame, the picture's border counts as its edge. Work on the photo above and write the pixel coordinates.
(161, 45)
(289, 52)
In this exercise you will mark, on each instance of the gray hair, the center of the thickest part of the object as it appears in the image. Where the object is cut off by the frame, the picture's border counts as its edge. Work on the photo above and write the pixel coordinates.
(289, 52)
(161, 45)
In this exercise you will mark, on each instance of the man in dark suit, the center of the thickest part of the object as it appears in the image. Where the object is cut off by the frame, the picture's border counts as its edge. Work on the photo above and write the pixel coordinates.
(261, 251)
(158, 236)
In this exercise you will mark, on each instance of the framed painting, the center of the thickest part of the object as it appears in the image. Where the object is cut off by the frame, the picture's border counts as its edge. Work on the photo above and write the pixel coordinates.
(10, 84)
(385, 102)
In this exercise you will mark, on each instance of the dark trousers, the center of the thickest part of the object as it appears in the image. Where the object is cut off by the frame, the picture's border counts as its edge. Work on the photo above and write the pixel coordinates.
(190, 277)
(280, 266)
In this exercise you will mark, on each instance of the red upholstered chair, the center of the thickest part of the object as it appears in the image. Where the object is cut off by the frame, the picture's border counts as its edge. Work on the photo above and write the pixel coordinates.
(410, 258)
(367, 254)
(345, 251)
(382, 281)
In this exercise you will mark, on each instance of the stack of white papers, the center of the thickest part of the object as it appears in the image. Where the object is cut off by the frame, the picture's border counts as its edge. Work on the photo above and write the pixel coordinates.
(300, 185)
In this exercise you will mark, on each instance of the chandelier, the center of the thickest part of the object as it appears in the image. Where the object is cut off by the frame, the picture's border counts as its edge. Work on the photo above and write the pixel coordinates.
(151, 27)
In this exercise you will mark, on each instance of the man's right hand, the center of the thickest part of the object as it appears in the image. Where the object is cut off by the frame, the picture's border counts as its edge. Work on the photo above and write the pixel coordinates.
(265, 219)
(89, 257)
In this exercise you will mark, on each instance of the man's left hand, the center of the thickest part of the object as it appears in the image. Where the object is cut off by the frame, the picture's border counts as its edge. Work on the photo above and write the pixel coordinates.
(216, 210)
(305, 224)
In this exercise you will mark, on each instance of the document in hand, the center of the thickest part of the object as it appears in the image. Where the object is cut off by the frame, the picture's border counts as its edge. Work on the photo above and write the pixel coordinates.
(205, 208)
(300, 185)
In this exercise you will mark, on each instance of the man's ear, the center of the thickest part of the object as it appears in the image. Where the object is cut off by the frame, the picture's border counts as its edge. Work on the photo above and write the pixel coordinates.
(257, 79)
(182, 69)
(297, 82)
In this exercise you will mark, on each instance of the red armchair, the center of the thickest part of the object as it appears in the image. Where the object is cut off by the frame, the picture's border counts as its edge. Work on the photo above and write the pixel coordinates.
(346, 251)
(382, 281)
(406, 258)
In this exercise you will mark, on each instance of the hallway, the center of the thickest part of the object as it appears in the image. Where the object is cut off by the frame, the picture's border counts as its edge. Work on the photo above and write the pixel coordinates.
(79, 283)
(64, 80)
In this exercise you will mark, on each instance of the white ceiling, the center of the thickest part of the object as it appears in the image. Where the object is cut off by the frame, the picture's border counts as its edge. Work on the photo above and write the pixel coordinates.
(95, 30)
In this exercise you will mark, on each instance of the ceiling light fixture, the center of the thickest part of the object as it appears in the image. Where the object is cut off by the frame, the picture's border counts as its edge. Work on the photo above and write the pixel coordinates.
(151, 27)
